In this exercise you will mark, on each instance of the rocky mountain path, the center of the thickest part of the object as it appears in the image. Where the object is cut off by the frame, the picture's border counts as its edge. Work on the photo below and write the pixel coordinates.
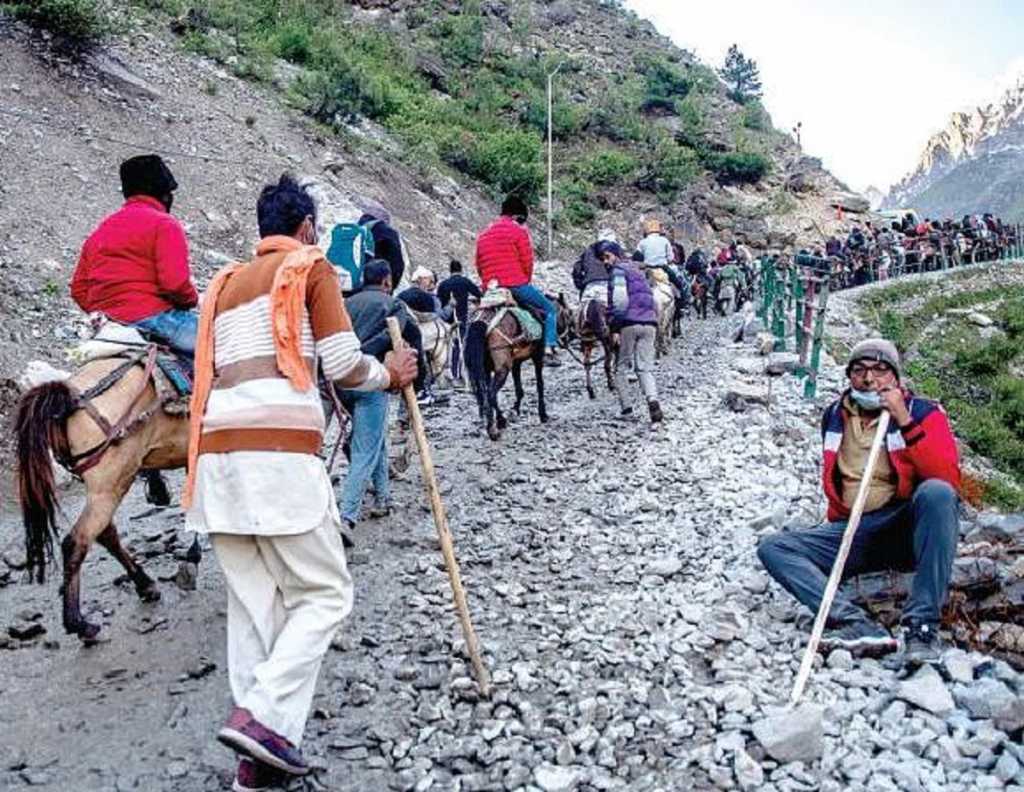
(633, 639)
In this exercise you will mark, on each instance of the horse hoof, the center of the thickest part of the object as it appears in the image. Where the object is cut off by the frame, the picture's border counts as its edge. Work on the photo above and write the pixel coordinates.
(149, 593)
(494, 434)
(89, 633)
(591, 394)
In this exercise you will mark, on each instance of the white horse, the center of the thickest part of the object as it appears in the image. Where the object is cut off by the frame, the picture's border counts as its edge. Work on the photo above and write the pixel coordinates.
(664, 306)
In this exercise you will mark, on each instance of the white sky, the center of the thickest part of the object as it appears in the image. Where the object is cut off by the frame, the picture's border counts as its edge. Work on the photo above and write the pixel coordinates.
(871, 80)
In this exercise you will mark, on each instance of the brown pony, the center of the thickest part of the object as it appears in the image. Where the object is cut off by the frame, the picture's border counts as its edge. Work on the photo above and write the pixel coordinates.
(490, 357)
(51, 419)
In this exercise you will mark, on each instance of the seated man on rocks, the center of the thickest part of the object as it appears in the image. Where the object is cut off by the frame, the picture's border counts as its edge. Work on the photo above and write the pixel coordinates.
(910, 519)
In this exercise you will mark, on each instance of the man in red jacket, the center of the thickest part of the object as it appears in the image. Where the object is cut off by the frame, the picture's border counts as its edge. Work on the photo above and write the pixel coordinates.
(504, 255)
(910, 518)
(134, 267)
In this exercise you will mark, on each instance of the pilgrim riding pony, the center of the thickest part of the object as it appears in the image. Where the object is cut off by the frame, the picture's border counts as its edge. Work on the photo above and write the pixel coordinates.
(497, 343)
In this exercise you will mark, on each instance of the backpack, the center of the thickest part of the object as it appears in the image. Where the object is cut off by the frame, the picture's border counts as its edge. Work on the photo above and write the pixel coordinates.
(351, 247)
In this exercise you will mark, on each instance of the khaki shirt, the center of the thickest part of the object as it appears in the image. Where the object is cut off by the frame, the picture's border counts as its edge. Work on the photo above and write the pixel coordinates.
(853, 455)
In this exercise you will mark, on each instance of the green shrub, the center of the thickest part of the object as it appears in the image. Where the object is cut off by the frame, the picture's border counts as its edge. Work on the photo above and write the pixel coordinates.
(691, 114)
(668, 168)
(665, 85)
(293, 42)
(567, 119)
(606, 167)
(577, 202)
(509, 160)
(754, 117)
(739, 167)
(80, 21)
(463, 35)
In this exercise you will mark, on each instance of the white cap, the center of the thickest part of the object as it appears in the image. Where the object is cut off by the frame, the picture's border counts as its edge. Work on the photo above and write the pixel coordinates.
(422, 272)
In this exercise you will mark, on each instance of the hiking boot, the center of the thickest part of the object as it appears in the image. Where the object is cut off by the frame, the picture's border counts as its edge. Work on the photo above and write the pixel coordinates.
(348, 533)
(380, 510)
(424, 398)
(552, 359)
(860, 638)
(253, 776)
(655, 410)
(626, 414)
(921, 644)
(246, 735)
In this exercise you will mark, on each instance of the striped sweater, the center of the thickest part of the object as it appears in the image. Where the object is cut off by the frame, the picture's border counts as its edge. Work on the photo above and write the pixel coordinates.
(252, 405)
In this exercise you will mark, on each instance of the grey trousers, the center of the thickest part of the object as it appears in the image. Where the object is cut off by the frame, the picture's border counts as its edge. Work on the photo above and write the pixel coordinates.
(636, 351)
(919, 534)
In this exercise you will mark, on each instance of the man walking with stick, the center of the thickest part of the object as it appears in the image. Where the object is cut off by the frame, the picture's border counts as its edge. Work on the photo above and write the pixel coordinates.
(255, 483)
(909, 508)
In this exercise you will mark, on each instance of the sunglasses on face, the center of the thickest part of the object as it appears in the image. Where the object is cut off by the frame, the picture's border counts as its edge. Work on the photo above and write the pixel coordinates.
(861, 369)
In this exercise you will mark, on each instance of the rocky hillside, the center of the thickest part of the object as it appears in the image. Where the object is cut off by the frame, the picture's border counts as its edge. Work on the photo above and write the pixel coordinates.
(432, 109)
(975, 164)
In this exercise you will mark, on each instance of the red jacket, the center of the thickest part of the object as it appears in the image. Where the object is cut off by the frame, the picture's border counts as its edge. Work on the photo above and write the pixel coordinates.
(504, 252)
(926, 449)
(135, 264)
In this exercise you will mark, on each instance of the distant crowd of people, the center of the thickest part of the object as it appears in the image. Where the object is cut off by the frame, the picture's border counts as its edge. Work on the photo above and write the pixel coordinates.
(872, 252)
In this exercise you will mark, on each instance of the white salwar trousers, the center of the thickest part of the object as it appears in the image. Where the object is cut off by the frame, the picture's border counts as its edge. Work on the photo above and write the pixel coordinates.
(287, 596)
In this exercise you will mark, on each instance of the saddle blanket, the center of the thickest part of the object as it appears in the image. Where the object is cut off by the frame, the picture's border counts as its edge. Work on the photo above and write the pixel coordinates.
(532, 330)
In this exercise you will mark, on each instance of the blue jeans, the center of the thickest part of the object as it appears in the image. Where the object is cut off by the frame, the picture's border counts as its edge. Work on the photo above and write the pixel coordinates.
(369, 453)
(175, 328)
(532, 296)
(919, 534)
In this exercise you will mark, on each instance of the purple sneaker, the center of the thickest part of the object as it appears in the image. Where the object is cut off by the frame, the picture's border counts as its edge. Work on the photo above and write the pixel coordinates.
(246, 735)
(253, 776)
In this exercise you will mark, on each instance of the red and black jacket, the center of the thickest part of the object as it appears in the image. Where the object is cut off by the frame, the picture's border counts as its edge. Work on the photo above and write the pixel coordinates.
(924, 449)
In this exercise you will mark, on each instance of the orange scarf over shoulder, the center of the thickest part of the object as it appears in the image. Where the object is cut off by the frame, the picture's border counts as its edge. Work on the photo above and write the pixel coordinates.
(287, 303)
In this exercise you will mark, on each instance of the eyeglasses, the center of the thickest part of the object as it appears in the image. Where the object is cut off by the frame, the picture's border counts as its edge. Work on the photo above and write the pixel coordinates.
(860, 369)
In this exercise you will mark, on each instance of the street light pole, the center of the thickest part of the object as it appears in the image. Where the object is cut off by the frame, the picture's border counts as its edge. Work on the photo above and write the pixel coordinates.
(551, 200)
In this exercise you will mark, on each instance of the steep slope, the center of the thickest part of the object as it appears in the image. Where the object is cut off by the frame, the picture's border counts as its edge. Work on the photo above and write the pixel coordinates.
(975, 164)
(231, 112)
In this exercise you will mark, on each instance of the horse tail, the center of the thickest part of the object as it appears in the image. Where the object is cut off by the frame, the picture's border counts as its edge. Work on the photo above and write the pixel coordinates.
(41, 429)
(476, 351)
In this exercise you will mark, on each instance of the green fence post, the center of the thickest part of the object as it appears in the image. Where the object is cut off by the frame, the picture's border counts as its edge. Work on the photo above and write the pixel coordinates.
(811, 383)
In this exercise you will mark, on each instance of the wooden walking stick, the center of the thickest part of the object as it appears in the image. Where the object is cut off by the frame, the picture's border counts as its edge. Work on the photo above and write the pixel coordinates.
(840, 562)
(441, 521)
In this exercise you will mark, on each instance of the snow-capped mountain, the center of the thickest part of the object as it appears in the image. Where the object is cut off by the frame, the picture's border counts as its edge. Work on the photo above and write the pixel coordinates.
(975, 164)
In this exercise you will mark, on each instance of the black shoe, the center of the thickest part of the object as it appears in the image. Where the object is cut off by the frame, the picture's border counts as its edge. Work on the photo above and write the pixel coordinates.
(626, 414)
(921, 644)
(860, 638)
(655, 410)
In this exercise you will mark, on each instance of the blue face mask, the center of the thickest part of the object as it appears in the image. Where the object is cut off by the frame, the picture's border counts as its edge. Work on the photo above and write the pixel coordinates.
(867, 400)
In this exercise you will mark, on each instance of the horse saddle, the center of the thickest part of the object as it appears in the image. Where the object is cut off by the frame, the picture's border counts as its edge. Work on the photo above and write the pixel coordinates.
(172, 374)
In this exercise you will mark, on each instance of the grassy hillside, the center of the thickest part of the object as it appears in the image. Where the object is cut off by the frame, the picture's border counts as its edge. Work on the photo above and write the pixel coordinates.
(462, 87)
(976, 374)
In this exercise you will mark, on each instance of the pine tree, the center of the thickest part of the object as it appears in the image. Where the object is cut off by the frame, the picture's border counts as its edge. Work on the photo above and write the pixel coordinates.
(742, 75)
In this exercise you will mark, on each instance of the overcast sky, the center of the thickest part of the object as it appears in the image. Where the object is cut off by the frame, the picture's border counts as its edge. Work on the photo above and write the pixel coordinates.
(872, 80)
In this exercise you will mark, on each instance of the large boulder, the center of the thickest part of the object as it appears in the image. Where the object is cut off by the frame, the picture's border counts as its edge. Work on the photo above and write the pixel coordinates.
(850, 202)
(793, 735)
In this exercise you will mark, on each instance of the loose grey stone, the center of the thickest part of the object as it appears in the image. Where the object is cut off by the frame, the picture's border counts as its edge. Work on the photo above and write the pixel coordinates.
(926, 690)
(794, 736)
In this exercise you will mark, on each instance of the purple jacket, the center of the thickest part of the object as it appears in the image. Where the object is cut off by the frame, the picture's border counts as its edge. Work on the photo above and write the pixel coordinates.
(630, 301)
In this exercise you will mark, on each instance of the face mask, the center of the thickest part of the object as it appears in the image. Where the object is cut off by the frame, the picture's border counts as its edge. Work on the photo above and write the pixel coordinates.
(868, 400)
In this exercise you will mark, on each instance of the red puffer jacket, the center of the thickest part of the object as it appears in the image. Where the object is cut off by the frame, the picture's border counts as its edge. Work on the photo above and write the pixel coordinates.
(504, 252)
(135, 264)
(926, 449)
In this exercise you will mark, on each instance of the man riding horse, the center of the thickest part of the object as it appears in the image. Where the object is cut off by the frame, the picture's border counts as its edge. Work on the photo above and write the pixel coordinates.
(504, 256)
(134, 267)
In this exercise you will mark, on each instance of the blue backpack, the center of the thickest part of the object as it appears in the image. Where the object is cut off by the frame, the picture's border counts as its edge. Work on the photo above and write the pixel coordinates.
(351, 247)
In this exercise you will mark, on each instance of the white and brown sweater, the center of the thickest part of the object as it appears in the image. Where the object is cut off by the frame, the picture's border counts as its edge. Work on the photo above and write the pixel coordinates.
(252, 406)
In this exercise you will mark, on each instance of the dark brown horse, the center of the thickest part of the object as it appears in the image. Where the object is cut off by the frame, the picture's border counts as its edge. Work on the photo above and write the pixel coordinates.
(51, 420)
(490, 356)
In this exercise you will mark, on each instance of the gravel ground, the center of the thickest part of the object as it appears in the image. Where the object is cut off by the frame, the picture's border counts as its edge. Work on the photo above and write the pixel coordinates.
(634, 642)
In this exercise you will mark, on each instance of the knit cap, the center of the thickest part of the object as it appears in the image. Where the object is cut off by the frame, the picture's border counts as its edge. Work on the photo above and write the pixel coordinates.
(876, 349)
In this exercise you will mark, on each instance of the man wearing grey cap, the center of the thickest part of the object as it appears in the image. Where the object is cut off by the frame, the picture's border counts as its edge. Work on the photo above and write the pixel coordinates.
(910, 518)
